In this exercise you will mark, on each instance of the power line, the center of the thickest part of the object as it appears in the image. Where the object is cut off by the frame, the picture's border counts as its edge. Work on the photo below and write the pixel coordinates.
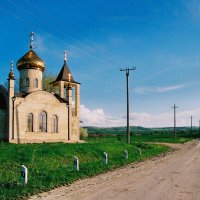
(61, 40)
(44, 21)
(111, 56)
(127, 98)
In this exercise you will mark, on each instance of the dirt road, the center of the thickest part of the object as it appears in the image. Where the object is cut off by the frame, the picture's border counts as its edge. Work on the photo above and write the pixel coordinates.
(172, 177)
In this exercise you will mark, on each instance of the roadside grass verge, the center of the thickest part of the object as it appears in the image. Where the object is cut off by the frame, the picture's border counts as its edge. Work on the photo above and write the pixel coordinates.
(51, 165)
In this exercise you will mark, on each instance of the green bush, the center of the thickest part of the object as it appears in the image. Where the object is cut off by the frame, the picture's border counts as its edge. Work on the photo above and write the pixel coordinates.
(83, 134)
(119, 137)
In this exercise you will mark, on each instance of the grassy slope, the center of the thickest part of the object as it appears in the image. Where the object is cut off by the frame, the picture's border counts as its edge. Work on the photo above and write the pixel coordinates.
(50, 165)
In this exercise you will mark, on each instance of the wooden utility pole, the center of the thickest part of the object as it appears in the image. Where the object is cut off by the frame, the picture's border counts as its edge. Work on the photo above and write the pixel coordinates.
(199, 128)
(191, 124)
(174, 107)
(127, 98)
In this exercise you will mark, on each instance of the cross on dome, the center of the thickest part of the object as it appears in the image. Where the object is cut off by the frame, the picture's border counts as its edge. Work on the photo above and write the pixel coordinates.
(11, 66)
(65, 55)
(31, 40)
(11, 73)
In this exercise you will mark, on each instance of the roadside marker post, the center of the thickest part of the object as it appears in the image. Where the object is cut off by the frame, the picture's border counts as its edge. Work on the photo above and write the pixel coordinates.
(140, 151)
(126, 154)
(76, 163)
(105, 158)
(24, 175)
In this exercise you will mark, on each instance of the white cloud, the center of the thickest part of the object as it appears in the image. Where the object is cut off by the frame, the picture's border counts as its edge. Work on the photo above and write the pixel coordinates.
(97, 117)
(155, 89)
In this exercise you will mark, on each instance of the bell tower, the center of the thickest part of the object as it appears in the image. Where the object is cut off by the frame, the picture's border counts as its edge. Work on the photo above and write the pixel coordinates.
(69, 90)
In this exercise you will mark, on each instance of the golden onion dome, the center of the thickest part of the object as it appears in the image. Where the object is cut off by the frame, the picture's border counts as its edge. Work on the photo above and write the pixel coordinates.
(31, 61)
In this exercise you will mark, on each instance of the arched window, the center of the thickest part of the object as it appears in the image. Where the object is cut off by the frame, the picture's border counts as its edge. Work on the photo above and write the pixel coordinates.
(36, 82)
(43, 121)
(54, 124)
(27, 82)
(30, 122)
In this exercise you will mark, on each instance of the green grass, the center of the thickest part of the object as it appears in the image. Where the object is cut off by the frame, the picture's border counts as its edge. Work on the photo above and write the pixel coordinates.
(50, 165)
(160, 138)
(182, 137)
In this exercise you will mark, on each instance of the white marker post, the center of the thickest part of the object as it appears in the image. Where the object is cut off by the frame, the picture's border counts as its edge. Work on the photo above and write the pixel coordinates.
(24, 175)
(126, 154)
(105, 158)
(140, 151)
(76, 164)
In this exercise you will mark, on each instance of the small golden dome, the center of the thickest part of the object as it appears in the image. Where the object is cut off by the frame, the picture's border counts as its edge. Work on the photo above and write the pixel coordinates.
(11, 75)
(31, 61)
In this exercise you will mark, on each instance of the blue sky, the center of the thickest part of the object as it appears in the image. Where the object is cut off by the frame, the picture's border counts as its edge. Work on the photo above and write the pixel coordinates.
(160, 38)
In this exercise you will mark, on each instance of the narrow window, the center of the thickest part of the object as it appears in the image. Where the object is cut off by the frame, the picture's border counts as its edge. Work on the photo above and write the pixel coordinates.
(43, 122)
(54, 124)
(30, 122)
(27, 82)
(36, 82)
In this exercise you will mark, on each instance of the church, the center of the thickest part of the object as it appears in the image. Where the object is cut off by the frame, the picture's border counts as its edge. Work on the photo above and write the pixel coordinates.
(34, 115)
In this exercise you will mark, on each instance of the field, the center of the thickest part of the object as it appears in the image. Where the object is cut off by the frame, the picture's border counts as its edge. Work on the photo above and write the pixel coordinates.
(51, 165)
(141, 134)
(138, 130)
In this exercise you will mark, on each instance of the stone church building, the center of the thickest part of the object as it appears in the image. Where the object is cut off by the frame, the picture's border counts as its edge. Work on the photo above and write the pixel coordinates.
(33, 115)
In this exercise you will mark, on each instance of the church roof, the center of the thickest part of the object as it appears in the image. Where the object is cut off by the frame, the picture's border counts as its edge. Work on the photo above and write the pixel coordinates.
(61, 99)
(21, 95)
(31, 61)
(65, 74)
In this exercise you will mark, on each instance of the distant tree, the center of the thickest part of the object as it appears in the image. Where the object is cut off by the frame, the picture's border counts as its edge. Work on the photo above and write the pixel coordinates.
(47, 78)
(83, 133)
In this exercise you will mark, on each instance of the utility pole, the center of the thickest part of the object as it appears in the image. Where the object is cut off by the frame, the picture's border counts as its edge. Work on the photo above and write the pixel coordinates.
(127, 98)
(199, 128)
(174, 107)
(191, 124)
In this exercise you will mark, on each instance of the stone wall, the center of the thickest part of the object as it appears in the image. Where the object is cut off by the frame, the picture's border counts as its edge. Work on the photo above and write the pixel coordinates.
(75, 128)
(32, 74)
(35, 103)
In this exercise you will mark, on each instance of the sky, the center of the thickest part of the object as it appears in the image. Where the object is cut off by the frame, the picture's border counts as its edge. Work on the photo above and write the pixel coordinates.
(160, 38)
